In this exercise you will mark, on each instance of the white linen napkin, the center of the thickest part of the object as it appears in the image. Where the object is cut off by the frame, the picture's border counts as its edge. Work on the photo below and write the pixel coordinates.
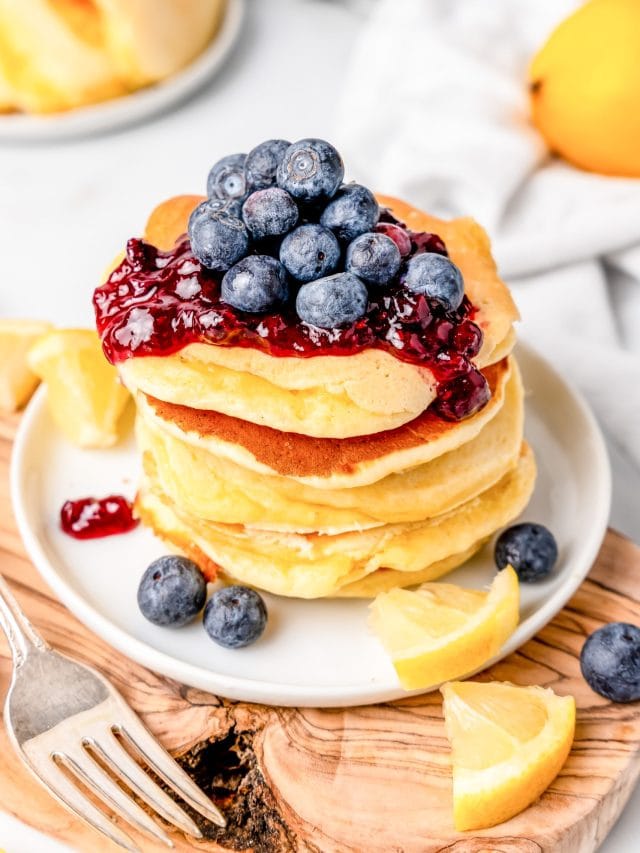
(435, 110)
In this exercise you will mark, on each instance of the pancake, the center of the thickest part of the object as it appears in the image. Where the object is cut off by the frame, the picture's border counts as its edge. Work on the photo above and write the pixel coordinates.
(324, 396)
(214, 488)
(315, 565)
(325, 463)
(329, 396)
(58, 55)
(382, 580)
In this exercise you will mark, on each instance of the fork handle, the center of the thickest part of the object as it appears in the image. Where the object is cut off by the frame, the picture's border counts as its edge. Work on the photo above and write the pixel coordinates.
(21, 634)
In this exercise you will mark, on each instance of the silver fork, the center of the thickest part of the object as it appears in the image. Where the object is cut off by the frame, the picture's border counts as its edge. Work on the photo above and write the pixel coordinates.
(62, 716)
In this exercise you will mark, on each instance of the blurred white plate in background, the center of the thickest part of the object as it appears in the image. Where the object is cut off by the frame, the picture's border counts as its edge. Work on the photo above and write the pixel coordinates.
(139, 105)
(316, 653)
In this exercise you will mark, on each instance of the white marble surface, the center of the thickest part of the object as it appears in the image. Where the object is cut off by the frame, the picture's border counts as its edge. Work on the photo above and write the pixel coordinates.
(66, 208)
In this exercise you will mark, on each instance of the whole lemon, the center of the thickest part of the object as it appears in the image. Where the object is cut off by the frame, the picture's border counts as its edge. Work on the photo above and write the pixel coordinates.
(585, 88)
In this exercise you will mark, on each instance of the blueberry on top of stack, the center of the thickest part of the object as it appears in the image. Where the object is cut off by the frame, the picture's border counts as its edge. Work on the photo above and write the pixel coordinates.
(281, 225)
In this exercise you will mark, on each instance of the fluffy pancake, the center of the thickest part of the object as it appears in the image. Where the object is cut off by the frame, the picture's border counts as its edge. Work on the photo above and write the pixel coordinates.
(62, 54)
(315, 565)
(214, 488)
(329, 396)
(323, 396)
(383, 580)
(326, 463)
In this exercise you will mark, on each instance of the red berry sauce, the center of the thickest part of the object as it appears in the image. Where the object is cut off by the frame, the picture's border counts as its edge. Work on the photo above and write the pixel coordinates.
(90, 518)
(400, 236)
(155, 303)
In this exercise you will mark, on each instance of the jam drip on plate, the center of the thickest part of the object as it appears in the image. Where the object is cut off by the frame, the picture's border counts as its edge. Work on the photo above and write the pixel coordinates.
(91, 518)
(155, 303)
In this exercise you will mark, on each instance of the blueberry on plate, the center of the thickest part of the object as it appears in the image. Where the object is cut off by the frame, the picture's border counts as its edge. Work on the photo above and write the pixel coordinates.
(218, 239)
(437, 278)
(530, 548)
(331, 302)
(610, 662)
(310, 252)
(269, 213)
(375, 258)
(172, 591)
(255, 284)
(351, 212)
(227, 179)
(262, 163)
(235, 616)
(311, 170)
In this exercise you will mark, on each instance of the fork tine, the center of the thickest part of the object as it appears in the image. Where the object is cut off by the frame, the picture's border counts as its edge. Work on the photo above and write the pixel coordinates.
(89, 772)
(120, 762)
(168, 769)
(63, 789)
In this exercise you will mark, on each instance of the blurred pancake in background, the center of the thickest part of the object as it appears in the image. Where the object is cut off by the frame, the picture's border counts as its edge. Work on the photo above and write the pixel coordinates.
(57, 55)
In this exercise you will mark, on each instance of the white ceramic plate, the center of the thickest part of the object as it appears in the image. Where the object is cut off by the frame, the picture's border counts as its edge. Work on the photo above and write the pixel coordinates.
(317, 653)
(137, 106)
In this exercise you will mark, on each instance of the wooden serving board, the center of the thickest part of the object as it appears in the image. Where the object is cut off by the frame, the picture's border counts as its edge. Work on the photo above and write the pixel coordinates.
(372, 779)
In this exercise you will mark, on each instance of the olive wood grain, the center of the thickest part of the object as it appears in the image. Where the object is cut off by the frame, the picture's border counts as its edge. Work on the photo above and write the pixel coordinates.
(372, 779)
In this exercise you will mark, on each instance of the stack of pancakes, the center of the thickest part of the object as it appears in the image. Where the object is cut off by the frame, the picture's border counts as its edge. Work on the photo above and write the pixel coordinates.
(330, 475)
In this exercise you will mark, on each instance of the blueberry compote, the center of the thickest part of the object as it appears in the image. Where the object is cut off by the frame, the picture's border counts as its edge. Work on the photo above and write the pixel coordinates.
(90, 518)
(155, 303)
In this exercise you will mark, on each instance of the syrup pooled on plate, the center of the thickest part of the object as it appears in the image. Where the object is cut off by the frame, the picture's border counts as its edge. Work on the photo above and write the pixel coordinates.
(91, 518)
(155, 303)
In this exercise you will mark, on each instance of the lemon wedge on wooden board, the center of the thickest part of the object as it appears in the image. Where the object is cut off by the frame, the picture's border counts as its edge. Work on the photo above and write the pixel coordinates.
(508, 744)
(17, 380)
(440, 631)
(84, 393)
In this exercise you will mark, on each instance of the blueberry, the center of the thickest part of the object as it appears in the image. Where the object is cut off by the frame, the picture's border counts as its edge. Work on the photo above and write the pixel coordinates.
(227, 179)
(436, 278)
(235, 617)
(530, 548)
(310, 252)
(311, 170)
(218, 239)
(352, 212)
(374, 258)
(610, 662)
(262, 163)
(269, 213)
(172, 591)
(337, 300)
(256, 283)
(231, 206)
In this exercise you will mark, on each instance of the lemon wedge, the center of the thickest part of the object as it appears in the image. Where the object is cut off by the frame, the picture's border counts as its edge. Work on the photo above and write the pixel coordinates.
(84, 393)
(17, 380)
(508, 745)
(439, 631)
